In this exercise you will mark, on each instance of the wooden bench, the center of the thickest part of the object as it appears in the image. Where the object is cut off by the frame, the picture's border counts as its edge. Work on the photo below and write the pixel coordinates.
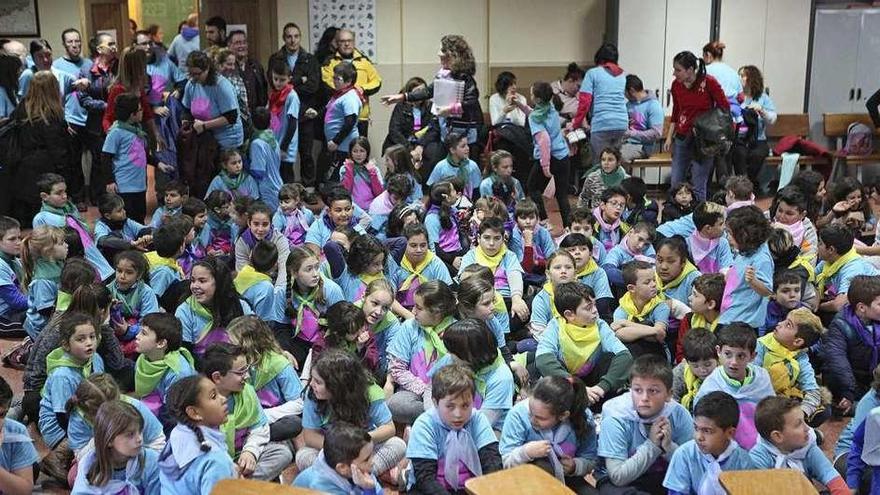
(254, 487)
(526, 478)
(835, 126)
(762, 481)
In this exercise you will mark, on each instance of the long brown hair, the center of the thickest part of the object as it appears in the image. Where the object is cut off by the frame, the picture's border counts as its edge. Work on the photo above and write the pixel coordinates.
(114, 418)
(133, 70)
(754, 80)
(43, 99)
(297, 257)
(461, 58)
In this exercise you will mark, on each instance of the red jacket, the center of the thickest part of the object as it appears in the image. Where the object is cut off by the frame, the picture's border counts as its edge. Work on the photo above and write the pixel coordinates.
(688, 104)
(110, 111)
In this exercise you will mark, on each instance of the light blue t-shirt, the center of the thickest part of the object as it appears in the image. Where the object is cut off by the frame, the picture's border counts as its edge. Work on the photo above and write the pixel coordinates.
(682, 291)
(617, 256)
(742, 303)
(720, 257)
(347, 104)
(73, 110)
(194, 325)
(436, 270)
(869, 401)
(729, 80)
(609, 99)
(816, 465)
(200, 471)
(767, 103)
(598, 281)
(806, 379)
(144, 482)
(41, 295)
(660, 314)
(161, 278)
(313, 479)
(644, 115)
(553, 127)
(7, 277)
(688, 466)
(279, 125)
(469, 172)
(261, 297)
(332, 295)
(209, 102)
(839, 283)
(265, 169)
(247, 188)
(129, 231)
(683, 227)
(129, 159)
(542, 243)
(282, 388)
(488, 182)
(319, 231)
(17, 450)
(494, 387)
(92, 254)
(163, 76)
(377, 415)
(159, 215)
(435, 228)
(549, 343)
(79, 431)
(60, 386)
(6, 105)
(508, 266)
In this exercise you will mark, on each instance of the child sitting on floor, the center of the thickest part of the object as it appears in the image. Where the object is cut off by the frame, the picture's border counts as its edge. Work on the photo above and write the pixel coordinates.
(700, 359)
(642, 318)
(704, 301)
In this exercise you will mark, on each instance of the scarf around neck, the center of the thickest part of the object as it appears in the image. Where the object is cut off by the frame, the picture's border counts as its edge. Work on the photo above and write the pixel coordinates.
(129, 485)
(692, 385)
(782, 365)
(614, 178)
(540, 112)
(702, 247)
(830, 270)
(45, 269)
(129, 298)
(634, 314)
(578, 344)
(69, 211)
(686, 270)
(556, 438)
(246, 413)
(233, 183)
(132, 128)
(59, 358)
(272, 364)
(588, 269)
(155, 261)
(432, 343)
(866, 332)
(490, 262)
(248, 277)
(266, 136)
(415, 271)
(148, 374)
(277, 99)
(700, 321)
(791, 460)
(709, 484)
(460, 449)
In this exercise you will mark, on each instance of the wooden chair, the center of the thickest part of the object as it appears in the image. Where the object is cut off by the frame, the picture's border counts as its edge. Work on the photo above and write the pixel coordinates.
(253, 487)
(835, 126)
(763, 481)
(525, 479)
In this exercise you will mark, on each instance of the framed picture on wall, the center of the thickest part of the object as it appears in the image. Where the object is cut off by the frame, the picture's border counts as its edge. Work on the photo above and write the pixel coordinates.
(19, 18)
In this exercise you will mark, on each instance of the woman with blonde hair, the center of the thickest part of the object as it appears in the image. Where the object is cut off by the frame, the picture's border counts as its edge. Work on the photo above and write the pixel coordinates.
(132, 78)
(44, 144)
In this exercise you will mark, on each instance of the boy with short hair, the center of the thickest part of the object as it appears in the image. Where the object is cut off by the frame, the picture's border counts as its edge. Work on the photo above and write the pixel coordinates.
(161, 363)
(17, 452)
(850, 349)
(786, 297)
(587, 271)
(639, 208)
(579, 344)
(705, 304)
(343, 465)
(255, 282)
(13, 302)
(695, 466)
(839, 264)
(115, 232)
(607, 222)
(641, 430)
(783, 353)
(175, 193)
(247, 428)
(635, 245)
(700, 359)
(738, 192)
(165, 273)
(643, 315)
(707, 245)
(738, 376)
(788, 442)
(58, 211)
(582, 223)
(452, 433)
(530, 241)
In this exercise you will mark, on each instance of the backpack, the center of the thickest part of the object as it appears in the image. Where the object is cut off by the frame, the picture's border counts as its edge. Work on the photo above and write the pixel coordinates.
(713, 133)
(10, 144)
(859, 140)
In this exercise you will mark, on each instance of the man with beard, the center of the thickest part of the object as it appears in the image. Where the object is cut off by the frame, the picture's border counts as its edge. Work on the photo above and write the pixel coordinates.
(306, 79)
(251, 71)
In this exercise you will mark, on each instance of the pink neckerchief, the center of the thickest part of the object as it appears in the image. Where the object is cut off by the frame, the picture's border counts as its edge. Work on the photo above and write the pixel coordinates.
(796, 229)
(740, 204)
(597, 214)
(701, 247)
(636, 256)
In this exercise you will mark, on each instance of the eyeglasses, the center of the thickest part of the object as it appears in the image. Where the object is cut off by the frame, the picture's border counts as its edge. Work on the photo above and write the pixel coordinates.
(615, 204)
(243, 371)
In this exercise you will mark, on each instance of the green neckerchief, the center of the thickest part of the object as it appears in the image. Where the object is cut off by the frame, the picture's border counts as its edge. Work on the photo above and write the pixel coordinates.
(307, 301)
(13, 265)
(245, 413)
(750, 377)
(68, 210)
(59, 358)
(268, 369)
(433, 341)
(360, 169)
(132, 128)
(148, 374)
(62, 302)
(130, 299)
(232, 183)
(48, 270)
(266, 135)
(460, 170)
(613, 179)
(481, 377)
(374, 393)
(540, 113)
(203, 313)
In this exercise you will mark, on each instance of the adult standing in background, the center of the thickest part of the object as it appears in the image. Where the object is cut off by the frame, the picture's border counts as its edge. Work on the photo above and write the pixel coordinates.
(305, 75)
(505, 104)
(693, 93)
(10, 69)
(726, 76)
(368, 81)
(210, 102)
(186, 41)
(603, 92)
(16, 48)
(566, 91)
(251, 71)
(215, 33)
(872, 104)
(749, 152)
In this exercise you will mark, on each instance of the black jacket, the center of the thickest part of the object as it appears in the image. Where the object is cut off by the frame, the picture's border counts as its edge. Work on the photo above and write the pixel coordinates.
(471, 111)
(401, 128)
(306, 77)
(44, 148)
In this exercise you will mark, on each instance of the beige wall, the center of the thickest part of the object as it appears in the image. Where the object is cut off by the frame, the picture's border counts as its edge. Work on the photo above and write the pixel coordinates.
(55, 17)
(505, 33)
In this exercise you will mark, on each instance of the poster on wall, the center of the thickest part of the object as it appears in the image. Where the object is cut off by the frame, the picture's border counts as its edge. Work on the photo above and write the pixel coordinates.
(357, 15)
(19, 18)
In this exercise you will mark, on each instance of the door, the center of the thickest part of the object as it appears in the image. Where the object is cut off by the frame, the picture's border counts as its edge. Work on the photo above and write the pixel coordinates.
(108, 15)
(641, 25)
(868, 70)
(257, 15)
(688, 25)
(835, 56)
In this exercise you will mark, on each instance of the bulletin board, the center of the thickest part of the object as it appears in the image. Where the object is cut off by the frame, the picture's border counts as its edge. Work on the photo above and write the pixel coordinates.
(356, 15)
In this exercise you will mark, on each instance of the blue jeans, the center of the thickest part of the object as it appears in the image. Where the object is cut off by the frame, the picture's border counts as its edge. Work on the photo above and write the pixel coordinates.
(683, 159)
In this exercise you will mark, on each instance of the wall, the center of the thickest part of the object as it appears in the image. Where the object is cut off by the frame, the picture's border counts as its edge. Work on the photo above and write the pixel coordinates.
(502, 33)
(55, 17)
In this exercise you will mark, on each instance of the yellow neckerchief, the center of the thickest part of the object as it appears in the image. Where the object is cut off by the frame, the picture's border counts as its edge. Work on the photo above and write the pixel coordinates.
(700, 321)
(368, 279)
(490, 262)
(783, 367)
(551, 300)
(588, 269)
(578, 344)
(691, 385)
(249, 277)
(829, 271)
(686, 270)
(415, 272)
(155, 261)
(804, 262)
(633, 314)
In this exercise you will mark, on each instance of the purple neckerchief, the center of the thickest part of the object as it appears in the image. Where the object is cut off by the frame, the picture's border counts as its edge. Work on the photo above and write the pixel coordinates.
(84, 236)
(797, 230)
(218, 334)
(461, 460)
(449, 241)
(251, 241)
(406, 298)
(701, 248)
(268, 397)
(153, 401)
(295, 227)
(869, 337)
(636, 256)
(559, 447)
(611, 229)
(382, 205)
(310, 328)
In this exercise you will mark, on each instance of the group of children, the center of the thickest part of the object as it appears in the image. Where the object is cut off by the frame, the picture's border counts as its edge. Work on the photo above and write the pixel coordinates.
(387, 341)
